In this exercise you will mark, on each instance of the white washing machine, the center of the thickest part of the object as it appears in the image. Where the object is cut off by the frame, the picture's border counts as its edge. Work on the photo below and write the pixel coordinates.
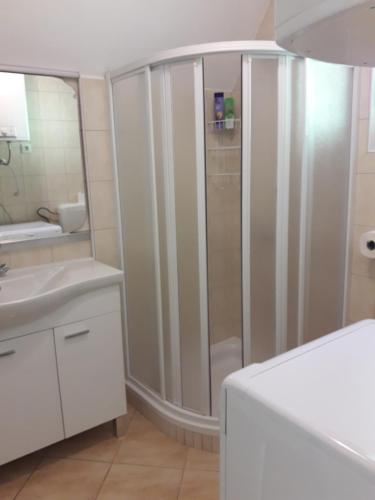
(302, 425)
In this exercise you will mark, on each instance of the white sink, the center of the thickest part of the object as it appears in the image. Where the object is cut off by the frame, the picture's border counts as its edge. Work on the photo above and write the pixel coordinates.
(28, 293)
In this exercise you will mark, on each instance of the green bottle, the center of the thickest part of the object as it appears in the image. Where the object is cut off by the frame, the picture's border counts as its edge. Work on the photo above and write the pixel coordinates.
(229, 113)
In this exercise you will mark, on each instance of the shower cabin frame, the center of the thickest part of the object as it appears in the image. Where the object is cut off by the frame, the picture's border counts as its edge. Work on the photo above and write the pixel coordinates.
(173, 411)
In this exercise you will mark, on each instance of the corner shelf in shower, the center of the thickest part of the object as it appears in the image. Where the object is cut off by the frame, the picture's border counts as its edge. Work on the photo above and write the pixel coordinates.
(216, 125)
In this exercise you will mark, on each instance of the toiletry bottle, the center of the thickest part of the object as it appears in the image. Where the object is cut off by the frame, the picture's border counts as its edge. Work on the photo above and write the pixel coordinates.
(229, 113)
(219, 109)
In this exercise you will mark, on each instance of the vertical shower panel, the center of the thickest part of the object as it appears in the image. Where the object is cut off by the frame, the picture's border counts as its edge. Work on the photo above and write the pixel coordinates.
(282, 202)
(131, 115)
(297, 137)
(166, 225)
(186, 179)
(263, 197)
(329, 91)
(223, 177)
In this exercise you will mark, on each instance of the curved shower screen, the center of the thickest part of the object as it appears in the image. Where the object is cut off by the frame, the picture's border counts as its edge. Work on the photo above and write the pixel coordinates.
(329, 90)
(263, 203)
(222, 75)
(139, 245)
(234, 230)
(177, 105)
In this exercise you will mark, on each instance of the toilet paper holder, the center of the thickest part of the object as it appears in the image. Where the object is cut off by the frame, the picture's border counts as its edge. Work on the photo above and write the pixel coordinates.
(367, 244)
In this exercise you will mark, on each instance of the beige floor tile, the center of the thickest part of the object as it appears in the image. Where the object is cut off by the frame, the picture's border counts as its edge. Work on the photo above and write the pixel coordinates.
(199, 485)
(14, 474)
(121, 425)
(145, 445)
(202, 460)
(61, 479)
(133, 482)
(130, 408)
(98, 444)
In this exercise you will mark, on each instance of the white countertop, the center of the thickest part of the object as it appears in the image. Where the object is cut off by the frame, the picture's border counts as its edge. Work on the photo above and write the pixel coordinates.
(26, 292)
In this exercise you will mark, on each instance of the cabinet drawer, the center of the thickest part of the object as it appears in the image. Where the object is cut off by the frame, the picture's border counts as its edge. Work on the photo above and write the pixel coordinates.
(91, 372)
(30, 409)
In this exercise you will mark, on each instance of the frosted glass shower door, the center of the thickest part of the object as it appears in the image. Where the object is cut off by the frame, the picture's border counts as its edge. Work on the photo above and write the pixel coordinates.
(297, 124)
(296, 173)
(185, 83)
(222, 74)
(131, 114)
(260, 139)
(320, 169)
(329, 98)
(177, 106)
(167, 237)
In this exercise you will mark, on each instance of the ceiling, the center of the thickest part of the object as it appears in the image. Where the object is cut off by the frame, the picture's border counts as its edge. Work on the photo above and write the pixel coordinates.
(93, 36)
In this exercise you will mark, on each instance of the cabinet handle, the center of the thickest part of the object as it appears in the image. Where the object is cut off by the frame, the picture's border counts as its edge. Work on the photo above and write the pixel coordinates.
(7, 353)
(78, 334)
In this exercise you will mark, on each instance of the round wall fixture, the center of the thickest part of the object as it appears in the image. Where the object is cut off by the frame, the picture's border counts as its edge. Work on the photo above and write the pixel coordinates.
(337, 31)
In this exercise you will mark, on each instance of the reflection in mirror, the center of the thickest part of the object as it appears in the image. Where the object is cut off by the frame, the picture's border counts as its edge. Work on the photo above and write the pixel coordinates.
(42, 183)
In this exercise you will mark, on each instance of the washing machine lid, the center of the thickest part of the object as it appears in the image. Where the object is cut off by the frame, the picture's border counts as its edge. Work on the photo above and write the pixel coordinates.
(338, 31)
(327, 386)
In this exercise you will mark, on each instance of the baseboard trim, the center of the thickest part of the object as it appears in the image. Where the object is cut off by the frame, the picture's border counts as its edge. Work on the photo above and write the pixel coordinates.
(185, 427)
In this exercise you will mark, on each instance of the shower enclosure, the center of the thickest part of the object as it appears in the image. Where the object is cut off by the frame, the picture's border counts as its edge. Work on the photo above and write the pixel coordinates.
(234, 231)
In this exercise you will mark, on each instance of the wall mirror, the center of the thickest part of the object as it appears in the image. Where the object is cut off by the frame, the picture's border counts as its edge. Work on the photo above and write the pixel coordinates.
(42, 177)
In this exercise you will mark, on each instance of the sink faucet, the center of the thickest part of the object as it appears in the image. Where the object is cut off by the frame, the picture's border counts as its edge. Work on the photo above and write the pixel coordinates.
(3, 269)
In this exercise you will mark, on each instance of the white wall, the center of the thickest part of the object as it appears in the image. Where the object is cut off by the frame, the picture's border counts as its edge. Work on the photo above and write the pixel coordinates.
(221, 72)
(92, 36)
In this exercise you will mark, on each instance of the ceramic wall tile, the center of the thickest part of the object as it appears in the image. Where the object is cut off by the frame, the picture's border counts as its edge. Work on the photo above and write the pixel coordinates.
(99, 155)
(103, 208)
(95, 104)
(365, 160)
(365, 93)
(364, 206)
(362, 298)
(106, 247)
(31, 257)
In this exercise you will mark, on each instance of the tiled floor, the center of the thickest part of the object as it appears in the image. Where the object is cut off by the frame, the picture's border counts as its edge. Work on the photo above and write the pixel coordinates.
(143, 465)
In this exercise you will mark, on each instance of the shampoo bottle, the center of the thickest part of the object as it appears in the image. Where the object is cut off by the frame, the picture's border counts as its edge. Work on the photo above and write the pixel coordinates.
(229, 113)
(219, 109)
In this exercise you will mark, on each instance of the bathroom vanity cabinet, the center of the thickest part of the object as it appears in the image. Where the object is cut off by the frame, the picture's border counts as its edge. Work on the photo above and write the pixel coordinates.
(61, 373)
